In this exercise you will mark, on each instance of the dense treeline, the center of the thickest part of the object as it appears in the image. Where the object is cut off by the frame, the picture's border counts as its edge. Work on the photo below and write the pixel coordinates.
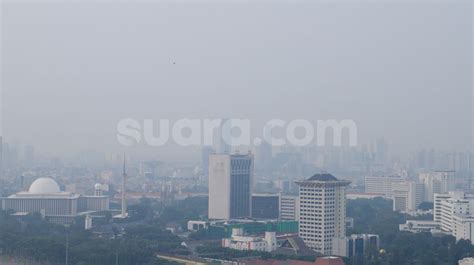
(401, 248)
(36, 239)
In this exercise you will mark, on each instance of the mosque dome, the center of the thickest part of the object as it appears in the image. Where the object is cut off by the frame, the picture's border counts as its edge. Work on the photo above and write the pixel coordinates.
(44, 185)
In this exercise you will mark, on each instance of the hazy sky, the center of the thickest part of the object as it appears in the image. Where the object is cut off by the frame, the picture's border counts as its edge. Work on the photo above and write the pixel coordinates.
(400, 70)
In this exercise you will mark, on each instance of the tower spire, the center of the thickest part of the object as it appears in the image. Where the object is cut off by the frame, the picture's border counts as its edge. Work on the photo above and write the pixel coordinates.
(124, 164)
(124, 182)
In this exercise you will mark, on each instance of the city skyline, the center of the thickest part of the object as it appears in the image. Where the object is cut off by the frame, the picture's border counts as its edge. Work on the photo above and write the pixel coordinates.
(424, 90)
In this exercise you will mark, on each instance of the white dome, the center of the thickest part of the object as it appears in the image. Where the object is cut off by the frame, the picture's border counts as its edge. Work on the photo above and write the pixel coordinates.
(44, 185)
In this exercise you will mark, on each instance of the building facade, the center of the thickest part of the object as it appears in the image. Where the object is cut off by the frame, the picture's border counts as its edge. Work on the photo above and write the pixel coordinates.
(239, 241)
(355, 245)
(289, 207)
(265, 206)
(451, 204)
(437, 182)
(322, 211)
(381, 185)
(463, 227)
(407, 196)
(230, 186)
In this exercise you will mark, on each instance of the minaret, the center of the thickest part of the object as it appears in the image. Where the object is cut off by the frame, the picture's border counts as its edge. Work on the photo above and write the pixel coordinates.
(124, 181)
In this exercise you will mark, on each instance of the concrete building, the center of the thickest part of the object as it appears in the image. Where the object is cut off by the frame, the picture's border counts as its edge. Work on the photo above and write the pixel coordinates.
(381, 185)
(355, 245)
(448, 205)
(197, 225)
(289, 207)
(407, 196)
(322, 211)
(45, 197)
(206, 151)
(463, 227)
(239, 241)
(437, 182)
(230, 186)
(266, 206)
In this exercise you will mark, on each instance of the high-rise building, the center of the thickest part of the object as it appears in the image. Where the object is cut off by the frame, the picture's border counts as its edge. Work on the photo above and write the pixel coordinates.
(381, 151)
(266, 206)
(454, 213)
(457, 203)
(263, 160)
(463, 227)
(407, 196)
(322, 211)
(224, 137)
(230, 186)
(289, 207)
(437, 182)
(206, 151)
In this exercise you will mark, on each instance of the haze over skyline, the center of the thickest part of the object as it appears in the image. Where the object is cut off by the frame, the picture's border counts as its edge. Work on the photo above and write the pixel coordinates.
(399, 70)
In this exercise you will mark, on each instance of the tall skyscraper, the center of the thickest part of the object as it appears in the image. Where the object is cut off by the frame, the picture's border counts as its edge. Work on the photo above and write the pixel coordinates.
(322, 211)
(225, 137)
(230, 186)
(206, 151)
(264, 159)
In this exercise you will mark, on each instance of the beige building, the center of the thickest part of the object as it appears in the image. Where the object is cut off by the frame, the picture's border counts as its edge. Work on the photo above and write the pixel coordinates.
(407, 196)
(289, 207)
(322, 211)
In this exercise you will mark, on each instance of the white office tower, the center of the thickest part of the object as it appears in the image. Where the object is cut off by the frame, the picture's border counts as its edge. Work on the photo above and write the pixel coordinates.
(230, 186)
(407, 196)
(289, 207)
(463, 227)
(437, 182)
(447, 206)
(454, 213)
(322, 211)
